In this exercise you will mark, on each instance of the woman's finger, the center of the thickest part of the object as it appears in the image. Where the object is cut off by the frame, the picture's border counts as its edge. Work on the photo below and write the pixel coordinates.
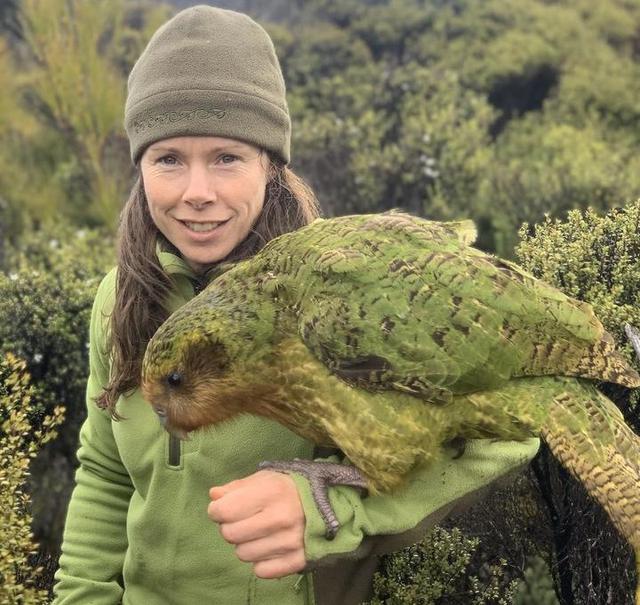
(280, 566)
(274, 546)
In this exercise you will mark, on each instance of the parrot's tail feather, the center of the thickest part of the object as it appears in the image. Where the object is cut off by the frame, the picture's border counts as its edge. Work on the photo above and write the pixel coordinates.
(600, 361)
(588, 435)
(604, 362)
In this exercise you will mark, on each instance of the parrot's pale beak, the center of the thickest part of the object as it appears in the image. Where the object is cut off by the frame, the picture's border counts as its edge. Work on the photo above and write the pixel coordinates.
(162, 416)
(179, 433)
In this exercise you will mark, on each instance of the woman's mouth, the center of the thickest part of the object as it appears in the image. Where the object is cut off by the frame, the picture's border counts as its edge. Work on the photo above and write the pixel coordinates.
(203, 227)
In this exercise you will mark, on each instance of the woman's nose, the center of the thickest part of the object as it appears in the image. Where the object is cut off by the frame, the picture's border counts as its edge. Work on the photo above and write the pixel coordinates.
(200, 189)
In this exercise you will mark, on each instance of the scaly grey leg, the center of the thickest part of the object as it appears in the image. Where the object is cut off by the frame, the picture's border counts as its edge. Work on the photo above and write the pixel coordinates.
(321, 475)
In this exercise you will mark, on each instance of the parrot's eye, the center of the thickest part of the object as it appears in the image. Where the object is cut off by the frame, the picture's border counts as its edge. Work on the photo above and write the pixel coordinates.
(174, 379)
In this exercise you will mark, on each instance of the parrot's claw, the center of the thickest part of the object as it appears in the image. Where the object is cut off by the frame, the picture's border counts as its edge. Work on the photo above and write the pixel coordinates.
(321, 475)
(634, 338)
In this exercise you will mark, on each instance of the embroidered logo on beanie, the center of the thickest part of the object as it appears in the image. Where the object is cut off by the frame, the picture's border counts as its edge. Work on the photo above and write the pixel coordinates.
(176, 116)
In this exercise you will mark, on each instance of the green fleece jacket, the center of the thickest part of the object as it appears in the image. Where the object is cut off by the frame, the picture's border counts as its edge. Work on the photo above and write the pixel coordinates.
(137, 530)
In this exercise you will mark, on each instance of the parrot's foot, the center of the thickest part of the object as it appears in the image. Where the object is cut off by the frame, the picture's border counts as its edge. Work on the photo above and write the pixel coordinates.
(634, 338)
(321, 475)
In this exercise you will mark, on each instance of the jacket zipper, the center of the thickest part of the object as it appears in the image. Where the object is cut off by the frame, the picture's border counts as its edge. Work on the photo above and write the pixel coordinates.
(174, 442)
(174, 451)
(198, 286)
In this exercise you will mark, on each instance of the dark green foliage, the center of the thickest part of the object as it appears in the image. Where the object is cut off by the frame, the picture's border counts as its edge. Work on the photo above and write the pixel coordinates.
(46, 294)
(479, 556)
(527, 106)
(594, 258)
(406, 137)
(536, 587)
(47, 291)
(436, 571)
(9, 23)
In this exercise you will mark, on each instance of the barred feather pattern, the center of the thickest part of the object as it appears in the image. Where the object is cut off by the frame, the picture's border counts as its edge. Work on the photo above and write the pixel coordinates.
(388, 336)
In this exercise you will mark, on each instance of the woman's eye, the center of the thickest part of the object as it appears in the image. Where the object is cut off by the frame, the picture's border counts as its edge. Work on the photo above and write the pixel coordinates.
(167, 160)
(228, 158)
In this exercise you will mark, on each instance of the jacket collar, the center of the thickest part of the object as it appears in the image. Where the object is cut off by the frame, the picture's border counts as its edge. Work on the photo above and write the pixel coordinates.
(174, 264)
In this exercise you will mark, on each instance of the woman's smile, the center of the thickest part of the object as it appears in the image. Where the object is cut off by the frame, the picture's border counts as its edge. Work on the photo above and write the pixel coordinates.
(204, 228)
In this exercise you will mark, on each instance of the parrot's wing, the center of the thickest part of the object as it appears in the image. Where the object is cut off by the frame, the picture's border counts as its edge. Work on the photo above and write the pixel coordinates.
(434, 319)
(386, 330)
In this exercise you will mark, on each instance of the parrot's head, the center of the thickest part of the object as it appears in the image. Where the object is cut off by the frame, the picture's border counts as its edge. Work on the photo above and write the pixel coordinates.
(179, 370)
(195, 371)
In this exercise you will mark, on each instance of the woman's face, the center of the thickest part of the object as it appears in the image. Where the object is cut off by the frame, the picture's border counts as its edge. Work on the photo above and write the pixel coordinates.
(204, 194)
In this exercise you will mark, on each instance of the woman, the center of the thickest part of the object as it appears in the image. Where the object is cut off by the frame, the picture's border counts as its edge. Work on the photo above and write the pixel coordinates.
(209, 130)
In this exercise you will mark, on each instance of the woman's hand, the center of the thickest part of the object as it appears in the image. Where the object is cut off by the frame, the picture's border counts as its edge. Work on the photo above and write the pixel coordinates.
(262, 516)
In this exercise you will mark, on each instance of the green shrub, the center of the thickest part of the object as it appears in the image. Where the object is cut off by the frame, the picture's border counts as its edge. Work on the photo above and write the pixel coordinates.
(436, 570)
(22, 433)
(593, 258)
(537, 585)
(47, 288)
(46, 293)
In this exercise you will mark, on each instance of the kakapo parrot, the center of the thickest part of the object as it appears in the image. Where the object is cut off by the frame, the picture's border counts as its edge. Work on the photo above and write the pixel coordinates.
(388, 336)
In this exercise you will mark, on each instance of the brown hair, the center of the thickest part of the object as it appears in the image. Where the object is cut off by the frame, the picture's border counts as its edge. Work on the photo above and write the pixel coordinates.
(142, 285)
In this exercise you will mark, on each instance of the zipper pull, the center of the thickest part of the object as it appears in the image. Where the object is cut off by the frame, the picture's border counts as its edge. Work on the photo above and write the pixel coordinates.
(174, 451)
(198, 286)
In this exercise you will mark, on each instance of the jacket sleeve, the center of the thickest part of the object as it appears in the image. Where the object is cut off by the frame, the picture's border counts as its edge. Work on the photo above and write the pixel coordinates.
(95, 539)
(387, 522)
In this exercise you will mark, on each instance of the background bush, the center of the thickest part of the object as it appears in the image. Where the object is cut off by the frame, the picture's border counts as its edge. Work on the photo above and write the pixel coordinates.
(23, 431)
(501, 110)
(46, 293)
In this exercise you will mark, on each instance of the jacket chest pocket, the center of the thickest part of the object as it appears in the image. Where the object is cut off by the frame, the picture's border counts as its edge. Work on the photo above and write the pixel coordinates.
(176, 449)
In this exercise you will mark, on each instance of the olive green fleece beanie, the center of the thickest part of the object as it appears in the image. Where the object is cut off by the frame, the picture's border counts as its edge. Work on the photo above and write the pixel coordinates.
(208, 71)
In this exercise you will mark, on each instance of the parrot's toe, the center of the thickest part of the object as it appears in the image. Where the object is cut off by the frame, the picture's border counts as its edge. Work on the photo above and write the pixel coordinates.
(321, 475)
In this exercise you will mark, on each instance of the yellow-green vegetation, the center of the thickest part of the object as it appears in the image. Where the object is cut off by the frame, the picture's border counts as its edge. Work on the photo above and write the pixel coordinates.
(22, 434)
(46, 291)
(593, 258)
(437, 570)
(536, 587)
(62, 91)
